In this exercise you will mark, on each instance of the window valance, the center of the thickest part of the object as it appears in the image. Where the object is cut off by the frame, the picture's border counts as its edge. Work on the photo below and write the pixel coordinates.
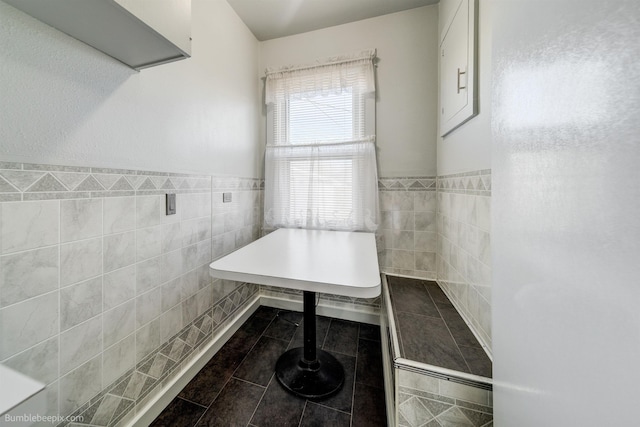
(329, 76)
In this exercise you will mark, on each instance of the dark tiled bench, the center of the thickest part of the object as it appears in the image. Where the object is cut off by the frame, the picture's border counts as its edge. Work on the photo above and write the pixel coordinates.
(436, 371)
(431, 331)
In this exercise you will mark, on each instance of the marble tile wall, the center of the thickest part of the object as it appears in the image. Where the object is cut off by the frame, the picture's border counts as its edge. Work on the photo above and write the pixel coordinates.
(464, 247)
(95, 279)
(424, 400)
(406, 237)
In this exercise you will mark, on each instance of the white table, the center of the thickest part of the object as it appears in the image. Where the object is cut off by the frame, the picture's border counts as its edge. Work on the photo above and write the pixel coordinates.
(334, 262)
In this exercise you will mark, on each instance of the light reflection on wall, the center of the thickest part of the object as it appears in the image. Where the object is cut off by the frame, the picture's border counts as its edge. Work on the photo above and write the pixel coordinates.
(558, 93)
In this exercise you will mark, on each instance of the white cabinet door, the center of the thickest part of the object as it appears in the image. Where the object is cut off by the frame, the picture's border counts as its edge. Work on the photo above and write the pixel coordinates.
(458, 102)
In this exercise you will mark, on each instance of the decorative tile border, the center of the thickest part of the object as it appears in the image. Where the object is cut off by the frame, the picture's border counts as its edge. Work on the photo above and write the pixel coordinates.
(233, 183)
(419, 408)
(116, 402)
(27, 181)
(474, 182)
(410, 183)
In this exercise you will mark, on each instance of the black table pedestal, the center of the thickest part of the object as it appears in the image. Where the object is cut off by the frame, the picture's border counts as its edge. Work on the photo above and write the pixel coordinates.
(307, 371)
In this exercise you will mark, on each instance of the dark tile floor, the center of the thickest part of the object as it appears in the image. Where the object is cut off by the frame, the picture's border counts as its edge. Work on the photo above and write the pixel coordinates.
(237, 387)
(430, 330)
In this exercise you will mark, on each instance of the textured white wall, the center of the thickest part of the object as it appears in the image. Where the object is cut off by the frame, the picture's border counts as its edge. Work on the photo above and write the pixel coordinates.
(565, 234)
(468, 148)
(66, 103)
(406, 80)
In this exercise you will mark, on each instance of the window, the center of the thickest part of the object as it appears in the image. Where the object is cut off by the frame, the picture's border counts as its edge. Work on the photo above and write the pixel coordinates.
(317, 118)
(320, 169)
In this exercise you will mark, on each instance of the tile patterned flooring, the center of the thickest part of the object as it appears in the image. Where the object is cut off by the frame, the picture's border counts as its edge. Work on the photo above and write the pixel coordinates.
(237, 387)
(430, 330)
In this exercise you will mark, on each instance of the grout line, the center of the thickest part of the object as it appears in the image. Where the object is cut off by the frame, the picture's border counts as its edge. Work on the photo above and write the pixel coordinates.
(306, 401)
(353, 392)
(446, 325)
(249, 382)
(102, 310)
(260, 400)
(333, 409)
(58, 374)
(326, 334)
(135, 295)
(191, 401)
(201, 416)
(272, 375)
(38, 247)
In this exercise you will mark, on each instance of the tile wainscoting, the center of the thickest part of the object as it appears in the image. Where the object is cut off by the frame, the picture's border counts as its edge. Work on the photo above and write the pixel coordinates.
(103, 296)
(464, 247)
(407, 235)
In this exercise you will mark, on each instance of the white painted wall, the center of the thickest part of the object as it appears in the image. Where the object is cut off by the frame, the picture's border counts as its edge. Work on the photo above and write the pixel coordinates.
(66, 103)
(565, 233)
(468, 148)
(406, 80)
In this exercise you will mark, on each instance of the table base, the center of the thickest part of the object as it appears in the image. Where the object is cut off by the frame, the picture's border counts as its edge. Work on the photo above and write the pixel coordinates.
(308, 371)
(317, 379)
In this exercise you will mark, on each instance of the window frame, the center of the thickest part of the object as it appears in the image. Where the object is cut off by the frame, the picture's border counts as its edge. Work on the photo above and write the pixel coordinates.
(281, 112)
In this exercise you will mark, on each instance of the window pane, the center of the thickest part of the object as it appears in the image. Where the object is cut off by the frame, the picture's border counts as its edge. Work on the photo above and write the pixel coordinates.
(321, 118)
(322, 190)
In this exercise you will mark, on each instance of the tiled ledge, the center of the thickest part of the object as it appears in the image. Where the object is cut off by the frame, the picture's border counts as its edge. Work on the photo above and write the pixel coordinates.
(28, 181)
(431, 332)
(427, 394)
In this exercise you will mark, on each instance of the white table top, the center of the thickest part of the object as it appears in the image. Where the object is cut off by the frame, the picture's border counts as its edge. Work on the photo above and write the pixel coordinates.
(332, 262)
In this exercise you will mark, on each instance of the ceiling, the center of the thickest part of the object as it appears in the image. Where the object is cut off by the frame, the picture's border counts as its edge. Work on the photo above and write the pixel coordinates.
(270, 19)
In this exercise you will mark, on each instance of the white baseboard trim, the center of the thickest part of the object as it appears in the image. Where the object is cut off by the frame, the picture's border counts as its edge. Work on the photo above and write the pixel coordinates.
(409, 276)
(154, 407)
(363, 316)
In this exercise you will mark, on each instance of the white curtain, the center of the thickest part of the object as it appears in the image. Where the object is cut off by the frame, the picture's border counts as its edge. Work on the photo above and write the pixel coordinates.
(329, 186)
(320, 165)
(332, 75)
